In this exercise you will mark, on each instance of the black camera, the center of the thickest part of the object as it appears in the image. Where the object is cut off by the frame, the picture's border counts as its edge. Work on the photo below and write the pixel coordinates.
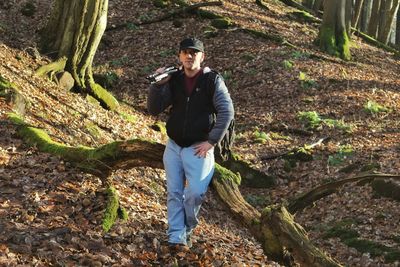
(156, 77)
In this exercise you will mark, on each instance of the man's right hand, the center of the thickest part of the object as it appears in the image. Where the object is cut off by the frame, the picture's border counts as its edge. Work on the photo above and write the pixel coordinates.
(166, 79)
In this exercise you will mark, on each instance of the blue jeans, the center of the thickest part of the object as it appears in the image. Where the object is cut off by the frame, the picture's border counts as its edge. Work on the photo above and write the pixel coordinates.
(188, 177)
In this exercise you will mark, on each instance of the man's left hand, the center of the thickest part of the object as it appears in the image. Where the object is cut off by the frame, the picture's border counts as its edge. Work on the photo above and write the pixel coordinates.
(202, 149)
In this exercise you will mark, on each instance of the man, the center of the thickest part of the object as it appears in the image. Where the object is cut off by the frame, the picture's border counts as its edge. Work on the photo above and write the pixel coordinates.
(201, 112)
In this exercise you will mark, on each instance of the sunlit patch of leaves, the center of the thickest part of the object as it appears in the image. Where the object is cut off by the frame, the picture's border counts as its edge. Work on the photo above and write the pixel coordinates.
(344, 152)
(278, 136)
(339, 124)
(261, 136)
(373, 107)
(128, 117)
(287, 64)
(305, 81)
(93, 129)
(312, 120)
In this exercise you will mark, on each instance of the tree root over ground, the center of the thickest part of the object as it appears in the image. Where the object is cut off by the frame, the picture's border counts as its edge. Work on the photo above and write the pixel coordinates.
(274, 228)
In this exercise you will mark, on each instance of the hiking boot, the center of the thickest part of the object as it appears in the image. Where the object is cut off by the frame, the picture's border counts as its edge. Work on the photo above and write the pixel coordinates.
(177, 247)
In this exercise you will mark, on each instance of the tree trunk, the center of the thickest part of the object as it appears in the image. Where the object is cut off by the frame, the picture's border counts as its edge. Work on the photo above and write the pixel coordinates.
(365, 16)
(388, 13)
(333, 37)
(308, 3)
(385, 5)
(347, 16)
(74, 31)
(374, 21)
(317, 5)
(357, 12)
(398, 29)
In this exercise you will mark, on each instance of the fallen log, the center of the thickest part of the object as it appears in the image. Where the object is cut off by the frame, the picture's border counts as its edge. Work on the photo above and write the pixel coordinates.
(181, 10)
(275, 229)
(327, 189)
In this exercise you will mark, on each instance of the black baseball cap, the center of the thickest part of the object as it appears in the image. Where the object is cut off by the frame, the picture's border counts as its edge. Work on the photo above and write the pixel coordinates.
(191, 43)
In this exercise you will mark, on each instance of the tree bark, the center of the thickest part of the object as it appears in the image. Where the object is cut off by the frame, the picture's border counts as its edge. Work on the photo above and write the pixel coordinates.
(308, 3)
(374, 21)
(390, 10)
(357, 12)
(74, 31)
(317, 6)
(365, 16)
(398, 29)
(347, 15)
(324, 190)
(333, 36)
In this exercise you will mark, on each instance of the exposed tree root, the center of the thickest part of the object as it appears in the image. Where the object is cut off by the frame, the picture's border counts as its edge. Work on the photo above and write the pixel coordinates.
(250, 176)
(274, 228)
(106, 99)
(52, 68)
(113, 210)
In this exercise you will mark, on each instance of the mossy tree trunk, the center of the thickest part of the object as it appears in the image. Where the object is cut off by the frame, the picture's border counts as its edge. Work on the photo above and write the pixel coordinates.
(74, 31)
(333, 36)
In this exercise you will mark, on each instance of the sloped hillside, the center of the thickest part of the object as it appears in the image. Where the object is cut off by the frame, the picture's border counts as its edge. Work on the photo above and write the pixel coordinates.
(51, 212)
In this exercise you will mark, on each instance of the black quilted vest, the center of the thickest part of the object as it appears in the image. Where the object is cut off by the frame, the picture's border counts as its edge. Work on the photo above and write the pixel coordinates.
(192, 117)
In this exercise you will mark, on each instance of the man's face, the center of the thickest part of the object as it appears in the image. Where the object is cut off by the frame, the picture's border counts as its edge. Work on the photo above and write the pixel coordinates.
(191, 59)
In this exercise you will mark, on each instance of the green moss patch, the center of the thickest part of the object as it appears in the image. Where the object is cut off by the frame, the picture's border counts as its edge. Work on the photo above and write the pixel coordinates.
(111, 212)
(350, 237)
(386, 188)
(225, 174)
(222, 23)
(5, 84)
(208, 15)
(106, 98)
(159, 126)
(250, 176)
(303, 16)
(84, 155)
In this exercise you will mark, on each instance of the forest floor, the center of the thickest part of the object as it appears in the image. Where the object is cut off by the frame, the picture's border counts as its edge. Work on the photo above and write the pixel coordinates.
(51, 212)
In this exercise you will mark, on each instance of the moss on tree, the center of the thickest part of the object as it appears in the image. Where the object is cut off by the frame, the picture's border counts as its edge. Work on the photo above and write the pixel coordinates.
(113, 210)
(334, 43)
(221, 23)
